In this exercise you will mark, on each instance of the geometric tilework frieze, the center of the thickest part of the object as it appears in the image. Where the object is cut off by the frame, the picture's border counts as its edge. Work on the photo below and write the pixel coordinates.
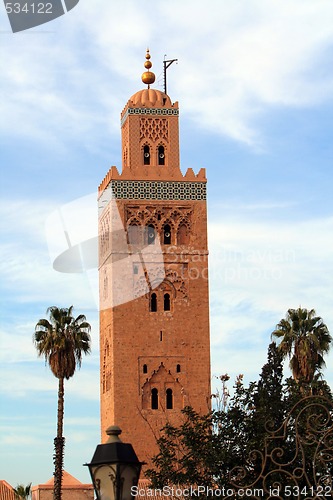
(149, 111)
(157, 190)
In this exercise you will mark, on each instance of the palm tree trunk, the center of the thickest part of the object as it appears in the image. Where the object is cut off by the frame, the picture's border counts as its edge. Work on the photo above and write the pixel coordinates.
(59, 444)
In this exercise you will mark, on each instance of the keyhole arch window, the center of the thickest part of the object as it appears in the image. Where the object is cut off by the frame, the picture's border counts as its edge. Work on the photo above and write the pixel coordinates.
(161, 155)
(154, 399)
(169, 399)
(153, 302)
(146, 154)
(167, 234)
(183, 235)
(167, 302)
(150, 234)
(133, 232)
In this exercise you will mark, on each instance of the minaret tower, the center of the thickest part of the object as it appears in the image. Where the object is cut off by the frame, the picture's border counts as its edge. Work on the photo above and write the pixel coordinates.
(153, 268)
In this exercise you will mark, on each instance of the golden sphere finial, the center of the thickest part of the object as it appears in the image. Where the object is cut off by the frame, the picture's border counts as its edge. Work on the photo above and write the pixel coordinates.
(148, 77)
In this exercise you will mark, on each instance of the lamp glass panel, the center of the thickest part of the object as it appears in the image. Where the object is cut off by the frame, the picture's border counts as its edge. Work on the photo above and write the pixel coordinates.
(130, 476)
(104, 477)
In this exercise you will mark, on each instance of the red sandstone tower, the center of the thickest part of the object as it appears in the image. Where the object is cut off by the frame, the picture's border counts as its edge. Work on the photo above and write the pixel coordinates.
(153, 268)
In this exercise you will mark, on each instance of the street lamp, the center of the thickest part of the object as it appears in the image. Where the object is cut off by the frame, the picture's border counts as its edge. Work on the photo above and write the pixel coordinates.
(114, 468)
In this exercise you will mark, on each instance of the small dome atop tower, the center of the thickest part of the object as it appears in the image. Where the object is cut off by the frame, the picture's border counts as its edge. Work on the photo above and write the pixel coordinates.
(148, 77)
(151, 98)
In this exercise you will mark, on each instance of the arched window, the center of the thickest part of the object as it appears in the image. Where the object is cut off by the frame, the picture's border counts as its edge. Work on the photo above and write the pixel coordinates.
(167, 304)
(182, 235)
(153, 302)
(167, 234)
(146, 155)
(133, 234)
(150, 232)
(169, 399)
(145, 368)
(178, 368)
(161, 155)
(154, 399)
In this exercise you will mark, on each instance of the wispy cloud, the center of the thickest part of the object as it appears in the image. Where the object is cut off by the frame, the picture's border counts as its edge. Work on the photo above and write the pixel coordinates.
(257, 272)
(227, 88)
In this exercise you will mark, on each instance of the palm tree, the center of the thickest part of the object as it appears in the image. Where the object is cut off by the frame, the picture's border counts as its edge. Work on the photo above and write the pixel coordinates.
(304, 340)
(61, 339)
(23, 492)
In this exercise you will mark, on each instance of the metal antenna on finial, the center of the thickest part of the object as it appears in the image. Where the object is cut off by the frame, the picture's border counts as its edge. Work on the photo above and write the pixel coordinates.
(166, 64)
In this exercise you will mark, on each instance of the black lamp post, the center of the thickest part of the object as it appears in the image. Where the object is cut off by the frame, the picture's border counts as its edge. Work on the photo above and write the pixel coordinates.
(114, 468)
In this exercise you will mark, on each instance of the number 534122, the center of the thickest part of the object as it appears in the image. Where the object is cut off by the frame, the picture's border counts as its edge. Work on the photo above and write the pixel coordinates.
(28, 8)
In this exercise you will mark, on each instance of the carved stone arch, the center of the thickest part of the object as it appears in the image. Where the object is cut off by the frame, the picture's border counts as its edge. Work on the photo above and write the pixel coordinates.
(183, 232)
(186, 221)
(175, 213)
(179, 284)
(138, 213)
(134, 231)
(161, 380)
(142, 288)
(159, 214)
(169, 220)
(134, 220)
(150, 219)
(150, 216)
(168, 286)
(145, 212)
(146, 152)
(150, 232)
(171, 275)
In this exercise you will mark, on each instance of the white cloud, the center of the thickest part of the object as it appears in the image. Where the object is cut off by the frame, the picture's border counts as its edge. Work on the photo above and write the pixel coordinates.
(257, 272)
(236, 61)
(26, 264)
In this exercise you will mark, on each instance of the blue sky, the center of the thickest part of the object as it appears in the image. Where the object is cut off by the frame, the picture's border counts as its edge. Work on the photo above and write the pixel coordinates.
(254, 81)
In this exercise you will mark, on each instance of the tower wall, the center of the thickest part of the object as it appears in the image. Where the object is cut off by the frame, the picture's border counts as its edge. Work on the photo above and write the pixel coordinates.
(153, 268)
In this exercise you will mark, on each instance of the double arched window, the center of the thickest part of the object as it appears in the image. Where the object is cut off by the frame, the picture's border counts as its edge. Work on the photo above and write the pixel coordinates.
(159, 152)
(168, 399)
(166, 302)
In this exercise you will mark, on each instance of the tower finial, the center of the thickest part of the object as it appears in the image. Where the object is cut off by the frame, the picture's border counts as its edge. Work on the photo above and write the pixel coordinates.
(148, 77)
